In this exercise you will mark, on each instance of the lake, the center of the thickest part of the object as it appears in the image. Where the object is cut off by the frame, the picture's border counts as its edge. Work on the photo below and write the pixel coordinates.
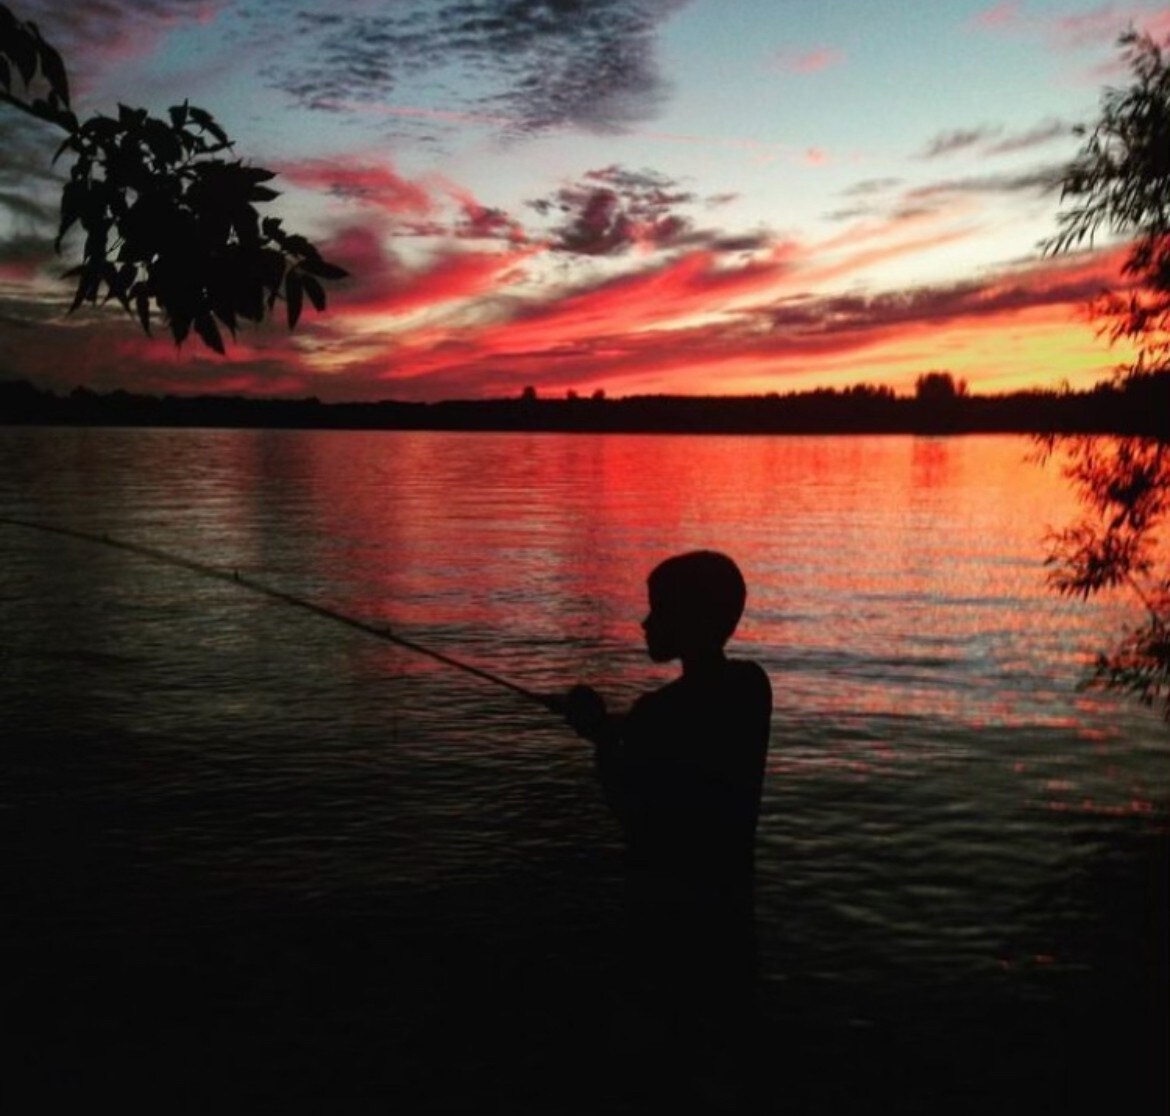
(248, 839)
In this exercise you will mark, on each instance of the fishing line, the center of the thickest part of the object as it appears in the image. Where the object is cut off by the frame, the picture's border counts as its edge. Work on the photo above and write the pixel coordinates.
(232, 577)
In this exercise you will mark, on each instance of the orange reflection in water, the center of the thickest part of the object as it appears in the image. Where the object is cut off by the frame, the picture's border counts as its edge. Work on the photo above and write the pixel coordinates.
(886, 574)
(897, 592)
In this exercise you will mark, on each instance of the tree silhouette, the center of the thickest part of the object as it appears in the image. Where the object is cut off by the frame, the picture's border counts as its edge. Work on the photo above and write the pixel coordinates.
(938, 387)
(170, 223)
(1120, 182)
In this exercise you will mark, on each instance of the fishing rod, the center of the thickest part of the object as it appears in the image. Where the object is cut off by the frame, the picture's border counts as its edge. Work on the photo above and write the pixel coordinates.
(233, 577)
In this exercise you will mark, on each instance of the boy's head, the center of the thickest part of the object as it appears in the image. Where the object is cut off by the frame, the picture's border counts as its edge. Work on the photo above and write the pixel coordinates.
(696, 600)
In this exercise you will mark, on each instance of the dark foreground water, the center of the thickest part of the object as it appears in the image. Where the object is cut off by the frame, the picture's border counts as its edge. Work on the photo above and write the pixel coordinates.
(253, 860)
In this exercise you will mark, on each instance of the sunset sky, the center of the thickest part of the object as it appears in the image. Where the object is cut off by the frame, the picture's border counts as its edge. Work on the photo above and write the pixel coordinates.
(714, 196)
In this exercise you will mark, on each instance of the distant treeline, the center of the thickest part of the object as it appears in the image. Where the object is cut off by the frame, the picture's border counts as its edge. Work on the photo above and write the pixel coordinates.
(1141, 406)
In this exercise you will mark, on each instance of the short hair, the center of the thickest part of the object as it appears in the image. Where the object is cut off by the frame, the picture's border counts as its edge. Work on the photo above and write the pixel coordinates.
(707, 590)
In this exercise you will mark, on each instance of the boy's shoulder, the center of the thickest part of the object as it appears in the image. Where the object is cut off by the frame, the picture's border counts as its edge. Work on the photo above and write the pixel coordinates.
(743, 679)
(748, 670)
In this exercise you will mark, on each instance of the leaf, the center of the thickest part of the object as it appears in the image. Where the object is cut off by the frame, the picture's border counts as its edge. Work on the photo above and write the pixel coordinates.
(207, 122)
(21, 49)
(86, 287)
(142, 304)
(207, 329)
(53, 67)
(72, 195)
(315, 292)
(109, 275)
(324, 270)
(301, 246)
(162, 141)
(130, 117)
(121, 287)
(293, 290)
(263, 194)
(271, 267)
(180, 327)
(178, 114)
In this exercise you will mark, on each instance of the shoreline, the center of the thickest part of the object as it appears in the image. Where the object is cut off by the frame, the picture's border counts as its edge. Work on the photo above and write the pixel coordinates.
(1141, 407)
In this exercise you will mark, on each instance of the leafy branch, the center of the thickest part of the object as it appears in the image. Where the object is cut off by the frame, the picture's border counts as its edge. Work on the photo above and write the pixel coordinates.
(170, 223)
(1120, 182)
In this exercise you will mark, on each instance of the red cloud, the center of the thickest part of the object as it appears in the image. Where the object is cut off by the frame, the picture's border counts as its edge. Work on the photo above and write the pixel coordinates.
(1089, 29)
(1002, 15)
(93, 37)
(451, 277)
(385, 285)
(1104, 24)
(811, 61)
(630, 334)
(378, 184)
(695, 322)
(481, 222)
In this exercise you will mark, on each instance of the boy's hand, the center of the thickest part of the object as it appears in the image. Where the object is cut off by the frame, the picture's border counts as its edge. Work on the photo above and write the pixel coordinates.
(585, 711)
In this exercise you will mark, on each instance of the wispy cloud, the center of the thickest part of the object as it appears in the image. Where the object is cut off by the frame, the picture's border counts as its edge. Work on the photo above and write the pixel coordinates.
(388, 285)
(1046, 132)
(581, 63)
(809, 61)
(94, 36)
(1006, 15)
(654, 329)
(1073, 31)
(959, 139)
(891, 200)
(615, 209)
(989, 139)
(1034, 182)
(603, 334)
(376, 184)
(1067, 283)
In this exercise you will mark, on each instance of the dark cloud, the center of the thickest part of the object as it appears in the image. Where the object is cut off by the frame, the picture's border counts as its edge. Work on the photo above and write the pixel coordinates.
(480, 222)
(1045, 132)
(992, 141)
(920, 201)
(869, 186)
(540, 63)
(866, 199)
(714, 201)
(1035, 181)
(989, 298)
(960, 139)
(747, 242)
(613, 209)
(852, 213)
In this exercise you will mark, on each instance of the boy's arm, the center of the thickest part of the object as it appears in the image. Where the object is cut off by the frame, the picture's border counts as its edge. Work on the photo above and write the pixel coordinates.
(587, 716)
(586, 712)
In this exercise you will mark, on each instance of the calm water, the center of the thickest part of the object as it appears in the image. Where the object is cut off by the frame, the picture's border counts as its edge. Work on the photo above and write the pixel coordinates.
(944, 814)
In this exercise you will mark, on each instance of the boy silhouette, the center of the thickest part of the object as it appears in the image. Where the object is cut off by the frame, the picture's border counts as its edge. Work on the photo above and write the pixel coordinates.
(682, 772)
